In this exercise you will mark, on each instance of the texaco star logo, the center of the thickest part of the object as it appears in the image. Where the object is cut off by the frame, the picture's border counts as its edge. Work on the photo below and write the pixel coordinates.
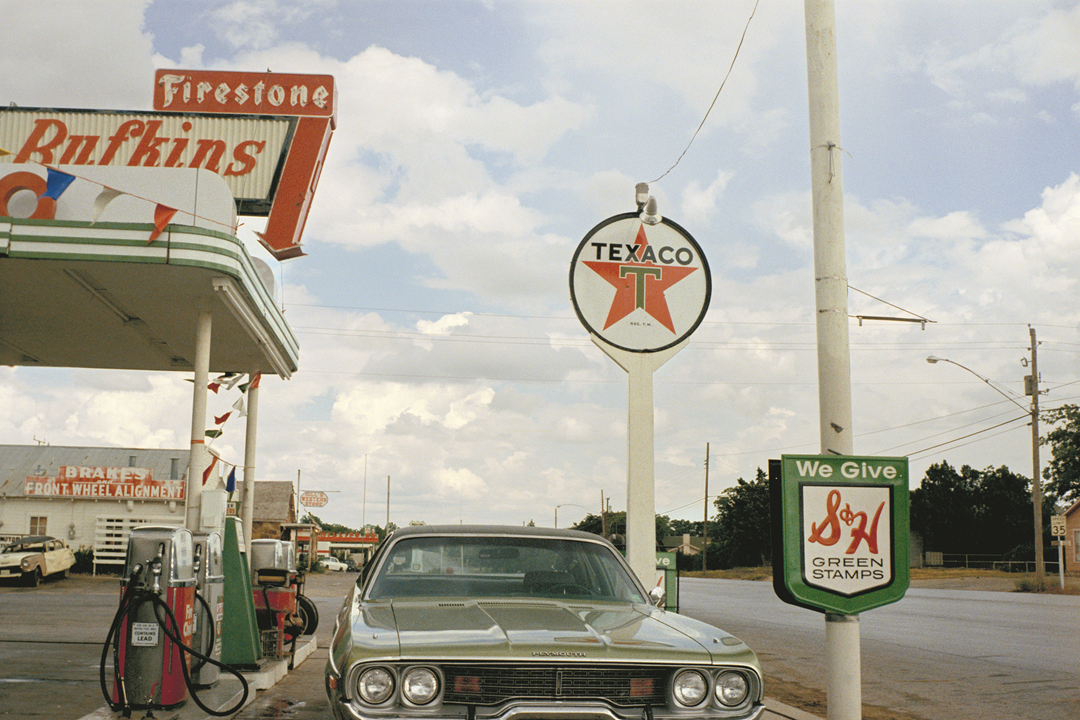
(639, 287)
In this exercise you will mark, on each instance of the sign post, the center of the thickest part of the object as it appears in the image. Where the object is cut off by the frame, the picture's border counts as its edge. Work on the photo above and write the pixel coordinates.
(1057, 529)
(640, 285)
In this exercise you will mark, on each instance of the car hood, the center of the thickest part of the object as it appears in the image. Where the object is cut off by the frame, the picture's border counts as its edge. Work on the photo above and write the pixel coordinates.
(533, 631)
(14, 558)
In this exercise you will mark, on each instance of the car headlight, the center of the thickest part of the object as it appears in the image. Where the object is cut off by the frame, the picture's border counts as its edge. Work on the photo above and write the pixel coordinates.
(420, 685)
(375, 685)
(731, 689)
(689, 688)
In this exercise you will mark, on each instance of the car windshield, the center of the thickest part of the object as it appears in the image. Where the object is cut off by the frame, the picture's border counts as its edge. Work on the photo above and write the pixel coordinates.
(25, 547)
(490, 567)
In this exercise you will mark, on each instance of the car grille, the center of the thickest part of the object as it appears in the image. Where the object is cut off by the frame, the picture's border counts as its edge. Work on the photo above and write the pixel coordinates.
(493, 684)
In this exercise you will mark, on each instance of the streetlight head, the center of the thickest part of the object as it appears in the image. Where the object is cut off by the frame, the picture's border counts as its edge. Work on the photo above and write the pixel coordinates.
(650, 215)
(933, 359)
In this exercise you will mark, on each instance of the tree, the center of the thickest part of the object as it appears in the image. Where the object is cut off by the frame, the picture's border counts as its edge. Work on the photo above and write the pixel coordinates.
(973, 511)
(616, 525)
(1063, 470)
(687, 527)
(940, 509)
(743, 537)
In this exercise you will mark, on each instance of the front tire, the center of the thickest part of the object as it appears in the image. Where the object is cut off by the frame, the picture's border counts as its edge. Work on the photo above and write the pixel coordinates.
(33, 578)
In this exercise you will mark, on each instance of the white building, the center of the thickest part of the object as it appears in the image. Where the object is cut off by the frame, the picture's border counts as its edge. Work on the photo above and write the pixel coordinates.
(91, 497)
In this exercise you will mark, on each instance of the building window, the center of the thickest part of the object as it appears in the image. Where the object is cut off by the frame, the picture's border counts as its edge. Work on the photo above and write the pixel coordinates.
(39, 525)
(174, 468)
(131, 461)
(1076, 544)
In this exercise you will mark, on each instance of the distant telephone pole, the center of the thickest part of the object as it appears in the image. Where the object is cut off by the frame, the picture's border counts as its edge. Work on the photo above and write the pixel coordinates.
(1036, 482)
(705, 527)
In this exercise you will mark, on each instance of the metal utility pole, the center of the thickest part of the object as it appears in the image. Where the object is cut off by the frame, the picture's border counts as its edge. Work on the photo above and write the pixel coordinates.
(705, 527)
(842, 643)
(1036, 480)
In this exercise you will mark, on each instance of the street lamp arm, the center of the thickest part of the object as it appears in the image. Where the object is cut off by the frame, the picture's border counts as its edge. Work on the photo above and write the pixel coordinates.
(567, 505)
(934, 359)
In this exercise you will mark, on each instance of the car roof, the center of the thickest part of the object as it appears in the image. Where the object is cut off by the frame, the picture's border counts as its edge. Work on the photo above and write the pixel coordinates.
(31, 539)
(495, 530)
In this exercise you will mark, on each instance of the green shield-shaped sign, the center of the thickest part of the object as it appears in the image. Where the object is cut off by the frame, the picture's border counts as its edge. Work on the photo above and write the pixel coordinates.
(841, 531)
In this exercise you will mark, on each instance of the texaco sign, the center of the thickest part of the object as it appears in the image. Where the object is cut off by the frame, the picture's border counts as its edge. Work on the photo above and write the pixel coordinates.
(842, 538)
(639, 287)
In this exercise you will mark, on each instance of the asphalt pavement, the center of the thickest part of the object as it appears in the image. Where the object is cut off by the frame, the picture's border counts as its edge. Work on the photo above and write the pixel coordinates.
(50, 647)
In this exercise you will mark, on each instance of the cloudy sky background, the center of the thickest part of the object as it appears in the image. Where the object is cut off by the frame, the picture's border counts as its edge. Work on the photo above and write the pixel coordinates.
(478, 142)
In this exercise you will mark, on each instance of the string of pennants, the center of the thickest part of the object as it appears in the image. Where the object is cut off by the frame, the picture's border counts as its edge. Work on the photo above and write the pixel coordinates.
(57, 181)
(239, 409)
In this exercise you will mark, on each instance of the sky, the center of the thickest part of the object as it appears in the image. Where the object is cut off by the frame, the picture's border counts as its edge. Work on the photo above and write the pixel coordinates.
(479, 142)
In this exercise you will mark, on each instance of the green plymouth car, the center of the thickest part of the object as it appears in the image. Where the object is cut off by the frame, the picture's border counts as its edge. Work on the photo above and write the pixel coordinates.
(485, 623)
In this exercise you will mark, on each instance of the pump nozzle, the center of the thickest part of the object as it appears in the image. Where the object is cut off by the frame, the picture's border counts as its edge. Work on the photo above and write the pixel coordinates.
(155, 570)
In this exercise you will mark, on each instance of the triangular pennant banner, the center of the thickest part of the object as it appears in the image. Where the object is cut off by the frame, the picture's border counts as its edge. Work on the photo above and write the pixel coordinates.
(214, 387)
(56, 183)
(230, 484)
(238, 406)
(162, 215)
(213, 434)
(206, 472)
(105, 197)
(253, 383)
(222, 418)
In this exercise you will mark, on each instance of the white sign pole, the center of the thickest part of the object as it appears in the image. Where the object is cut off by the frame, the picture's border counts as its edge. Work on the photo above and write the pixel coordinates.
(842, 643)
(640, 476)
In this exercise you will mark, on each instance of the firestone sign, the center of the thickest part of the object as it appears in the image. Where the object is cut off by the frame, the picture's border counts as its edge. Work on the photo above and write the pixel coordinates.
(640, 287)
(840, 531)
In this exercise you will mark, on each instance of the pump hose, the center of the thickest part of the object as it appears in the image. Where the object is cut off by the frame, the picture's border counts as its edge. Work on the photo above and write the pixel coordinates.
(125, 603)
(159, 603)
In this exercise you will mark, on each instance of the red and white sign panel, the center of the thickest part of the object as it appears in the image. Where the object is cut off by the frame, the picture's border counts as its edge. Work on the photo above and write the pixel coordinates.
(313, 498)
(251, 93)
(119, 483)
(266, 134)
(248, 153)
(847, 537)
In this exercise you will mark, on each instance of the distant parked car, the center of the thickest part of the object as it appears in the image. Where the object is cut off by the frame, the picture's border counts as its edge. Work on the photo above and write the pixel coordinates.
(499, 623)
(333, 564)
(34, 557)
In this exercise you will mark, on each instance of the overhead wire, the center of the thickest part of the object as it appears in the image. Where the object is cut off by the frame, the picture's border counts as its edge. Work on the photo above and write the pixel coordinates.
(716, 97)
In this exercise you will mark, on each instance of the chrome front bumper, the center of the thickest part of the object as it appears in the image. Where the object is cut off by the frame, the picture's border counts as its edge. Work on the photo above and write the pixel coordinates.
(344, 710)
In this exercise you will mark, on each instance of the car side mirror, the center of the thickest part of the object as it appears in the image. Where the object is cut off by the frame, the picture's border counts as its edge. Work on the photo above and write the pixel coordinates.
(657, 596)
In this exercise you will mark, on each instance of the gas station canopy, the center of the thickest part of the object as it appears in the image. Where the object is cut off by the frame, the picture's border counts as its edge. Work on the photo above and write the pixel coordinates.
(102, 294)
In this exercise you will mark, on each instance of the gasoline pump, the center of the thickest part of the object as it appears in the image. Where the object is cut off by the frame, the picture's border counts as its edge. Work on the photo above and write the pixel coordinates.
(209, 607)
(151, 634)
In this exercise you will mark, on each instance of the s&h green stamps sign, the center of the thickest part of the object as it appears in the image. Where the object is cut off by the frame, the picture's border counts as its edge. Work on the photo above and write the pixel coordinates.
(840, 531)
